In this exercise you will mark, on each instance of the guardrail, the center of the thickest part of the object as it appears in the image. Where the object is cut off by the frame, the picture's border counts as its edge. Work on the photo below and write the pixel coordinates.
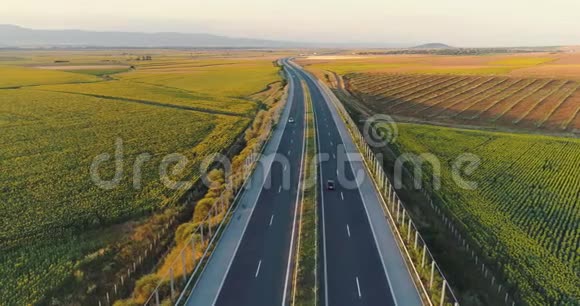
(427, 273)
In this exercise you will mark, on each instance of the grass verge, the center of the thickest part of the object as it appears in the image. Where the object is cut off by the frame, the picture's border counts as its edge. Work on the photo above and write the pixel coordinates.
(305, 278)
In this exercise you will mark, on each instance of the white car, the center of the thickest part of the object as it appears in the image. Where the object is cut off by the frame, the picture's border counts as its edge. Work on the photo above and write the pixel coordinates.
(291, 120)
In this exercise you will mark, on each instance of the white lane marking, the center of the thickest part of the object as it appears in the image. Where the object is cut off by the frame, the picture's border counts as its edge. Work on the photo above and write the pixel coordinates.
(342, 195)
(358, 288)
(320, 183)
(271, 219)
(285, 167)
(348, 230)
(279, 188)
(292, 140)
(331, 144)
(289, 152)
(333, 156)
(298, 194)
(328, 134)
(258, 270)
(343, 135)
(286, 112)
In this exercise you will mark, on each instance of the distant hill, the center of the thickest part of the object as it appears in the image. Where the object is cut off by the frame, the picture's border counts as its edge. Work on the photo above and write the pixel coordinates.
(433, 46)
(16, 36)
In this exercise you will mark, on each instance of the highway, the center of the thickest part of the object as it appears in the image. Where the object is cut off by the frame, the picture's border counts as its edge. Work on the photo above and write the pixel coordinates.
(260, 272)
(358, 260)
(253, 261)
(353, 273)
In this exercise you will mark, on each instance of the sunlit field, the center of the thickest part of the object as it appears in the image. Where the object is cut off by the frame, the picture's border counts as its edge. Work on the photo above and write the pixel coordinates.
(59, 110)
(523, 215)
(525, 208)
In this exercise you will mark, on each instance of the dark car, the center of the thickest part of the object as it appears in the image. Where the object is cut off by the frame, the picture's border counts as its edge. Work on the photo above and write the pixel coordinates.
(330, 185)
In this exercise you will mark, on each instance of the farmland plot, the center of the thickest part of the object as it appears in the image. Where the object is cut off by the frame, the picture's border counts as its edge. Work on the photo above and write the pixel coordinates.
(48, 193)
(514, 103)
(525, 211)
(54, 218)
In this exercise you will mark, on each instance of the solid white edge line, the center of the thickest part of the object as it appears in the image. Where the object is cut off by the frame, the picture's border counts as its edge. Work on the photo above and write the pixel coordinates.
(299, 193)
(320, 184)
(358, 288)
(289, 102)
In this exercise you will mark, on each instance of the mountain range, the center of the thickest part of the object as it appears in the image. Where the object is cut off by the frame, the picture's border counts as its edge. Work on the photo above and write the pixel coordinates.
(13, 36)
(16, 36)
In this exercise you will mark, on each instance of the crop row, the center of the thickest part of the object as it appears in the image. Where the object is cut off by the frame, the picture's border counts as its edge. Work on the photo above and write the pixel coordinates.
(525, 211)
(510, 102)
(50, 196)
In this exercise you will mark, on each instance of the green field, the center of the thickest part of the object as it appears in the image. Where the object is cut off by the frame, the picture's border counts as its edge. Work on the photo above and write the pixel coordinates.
(54, 123)
(525, 211)
(214, 77)
(21, 76)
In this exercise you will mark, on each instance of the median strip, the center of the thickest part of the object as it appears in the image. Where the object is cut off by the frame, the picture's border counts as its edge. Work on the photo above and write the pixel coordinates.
(305, 278)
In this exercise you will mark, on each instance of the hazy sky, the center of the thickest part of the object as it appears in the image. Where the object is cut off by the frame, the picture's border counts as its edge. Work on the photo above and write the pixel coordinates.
(456, 22)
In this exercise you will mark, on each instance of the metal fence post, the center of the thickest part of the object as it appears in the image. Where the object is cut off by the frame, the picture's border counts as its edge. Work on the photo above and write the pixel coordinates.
(416, 239)
(432, 274)
(424, 255)
(193, 247)
(398, 208)
(409, 230)
(183, 265)
(443, 292)
(171, 282)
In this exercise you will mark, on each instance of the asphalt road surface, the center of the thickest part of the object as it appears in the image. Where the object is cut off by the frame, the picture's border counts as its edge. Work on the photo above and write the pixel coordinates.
(353, 272)
(259, 274)
(359, 255)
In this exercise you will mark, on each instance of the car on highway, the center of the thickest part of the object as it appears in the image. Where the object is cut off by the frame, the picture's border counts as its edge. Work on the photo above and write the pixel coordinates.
(330, 185)
(291, 120)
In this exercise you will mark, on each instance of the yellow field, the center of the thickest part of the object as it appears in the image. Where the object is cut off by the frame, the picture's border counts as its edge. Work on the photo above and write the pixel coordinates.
(132, 91)
(54, 123)
(553, 65)
(225, 77)
(11, 76)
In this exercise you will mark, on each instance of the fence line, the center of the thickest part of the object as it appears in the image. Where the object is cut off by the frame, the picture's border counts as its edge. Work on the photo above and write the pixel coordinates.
(203, 239)
(435, 287)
